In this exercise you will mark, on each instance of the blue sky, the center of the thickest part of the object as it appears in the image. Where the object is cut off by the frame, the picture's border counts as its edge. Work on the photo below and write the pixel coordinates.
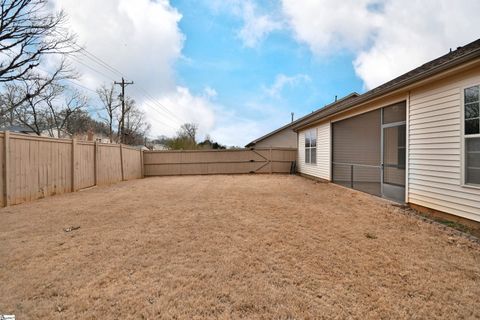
(216, 57)
(238, 68)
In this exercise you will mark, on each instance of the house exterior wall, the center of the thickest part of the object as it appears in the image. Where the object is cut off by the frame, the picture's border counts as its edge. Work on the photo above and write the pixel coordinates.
(322, 168)
(435, 147)
(286, 138)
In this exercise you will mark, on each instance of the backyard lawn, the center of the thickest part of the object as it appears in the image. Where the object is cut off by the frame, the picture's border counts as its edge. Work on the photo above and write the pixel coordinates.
(230, 247)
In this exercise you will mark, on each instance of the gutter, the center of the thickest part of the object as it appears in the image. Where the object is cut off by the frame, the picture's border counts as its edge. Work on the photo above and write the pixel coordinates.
(370, 95)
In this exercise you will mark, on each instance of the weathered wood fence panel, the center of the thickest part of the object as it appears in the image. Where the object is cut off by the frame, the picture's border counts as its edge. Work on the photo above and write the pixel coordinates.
(36, 167)
(109, 164)
(132, 163)
(235, 161)
(84, 168)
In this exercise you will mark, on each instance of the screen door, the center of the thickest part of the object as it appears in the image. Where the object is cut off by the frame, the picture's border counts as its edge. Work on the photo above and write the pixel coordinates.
(394, 151)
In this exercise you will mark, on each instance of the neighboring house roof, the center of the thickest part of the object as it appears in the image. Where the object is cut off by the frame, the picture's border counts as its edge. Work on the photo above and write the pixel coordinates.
(293, 123)
(17, 129)
(453, 59)
(252, 143)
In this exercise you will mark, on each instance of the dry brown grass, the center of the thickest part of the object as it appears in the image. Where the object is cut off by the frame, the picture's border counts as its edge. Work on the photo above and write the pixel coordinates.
(256, 247)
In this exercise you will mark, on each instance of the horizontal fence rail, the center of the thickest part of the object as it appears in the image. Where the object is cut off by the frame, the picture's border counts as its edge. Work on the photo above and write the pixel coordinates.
(363, 177)
(231, 161)
(36, 167)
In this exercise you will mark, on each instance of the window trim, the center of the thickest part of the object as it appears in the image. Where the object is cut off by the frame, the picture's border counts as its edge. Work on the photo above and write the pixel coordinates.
(463, 138)
(308, 131)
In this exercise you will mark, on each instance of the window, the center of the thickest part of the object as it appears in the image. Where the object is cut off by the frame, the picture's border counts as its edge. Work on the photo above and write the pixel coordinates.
(472, 134)
(311, 146)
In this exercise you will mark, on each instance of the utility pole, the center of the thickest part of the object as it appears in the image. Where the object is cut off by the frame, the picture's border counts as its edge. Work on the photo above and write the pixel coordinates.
(123, 84)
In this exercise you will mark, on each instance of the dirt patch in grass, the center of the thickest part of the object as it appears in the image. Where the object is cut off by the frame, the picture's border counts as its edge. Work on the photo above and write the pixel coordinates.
(230, 247)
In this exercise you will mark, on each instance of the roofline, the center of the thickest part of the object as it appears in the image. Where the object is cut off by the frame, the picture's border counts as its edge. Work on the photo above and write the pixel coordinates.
(372, 94)
(252, 143)
(291, 124)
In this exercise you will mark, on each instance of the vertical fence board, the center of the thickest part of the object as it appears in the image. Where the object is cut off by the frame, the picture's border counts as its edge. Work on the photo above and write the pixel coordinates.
(109, 165)
(4, 163)
(85, 165)
(132, 163)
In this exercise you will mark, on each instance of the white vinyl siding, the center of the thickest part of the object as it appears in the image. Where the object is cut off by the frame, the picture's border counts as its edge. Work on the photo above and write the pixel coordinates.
(287, 138)
(435, 149)
(322, 168)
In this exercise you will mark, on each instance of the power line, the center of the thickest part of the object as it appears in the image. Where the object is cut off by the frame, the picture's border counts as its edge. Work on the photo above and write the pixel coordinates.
(144, 92)
(94, 58)
(163, 108)
(153, 107)
(89, 67)
(101, 108)
(166, 124)
(80, 85)
(101, 62)
(113, 70)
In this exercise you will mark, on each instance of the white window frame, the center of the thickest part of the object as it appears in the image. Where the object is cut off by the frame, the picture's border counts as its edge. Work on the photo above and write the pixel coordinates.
(310, 132)
(463, 138)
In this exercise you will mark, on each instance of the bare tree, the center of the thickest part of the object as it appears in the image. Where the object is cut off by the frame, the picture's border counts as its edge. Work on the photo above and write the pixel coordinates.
(37, 103)
(29, 30)
(30, 113)
(185, 138)
(189, 130)
(136, 127)
(110, 105)
(25, 90)
(8, 101)
(58, 114)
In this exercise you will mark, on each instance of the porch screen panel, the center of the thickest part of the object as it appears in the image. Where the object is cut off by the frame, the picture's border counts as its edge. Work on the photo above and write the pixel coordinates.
(356, 152)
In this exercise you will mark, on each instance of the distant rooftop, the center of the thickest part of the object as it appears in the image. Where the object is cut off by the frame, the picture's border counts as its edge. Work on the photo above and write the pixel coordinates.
(293, 123)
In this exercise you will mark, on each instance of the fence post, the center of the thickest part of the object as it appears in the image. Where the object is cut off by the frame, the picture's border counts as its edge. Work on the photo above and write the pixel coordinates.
(351, 176)
(271, 169)
(95, 162)
(141, 163)
(121, 162)
(74, 144)
(6, 196)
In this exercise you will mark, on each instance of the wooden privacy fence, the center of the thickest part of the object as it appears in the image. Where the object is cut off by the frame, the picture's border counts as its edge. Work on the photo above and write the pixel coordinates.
(36, 167)
(232, 161)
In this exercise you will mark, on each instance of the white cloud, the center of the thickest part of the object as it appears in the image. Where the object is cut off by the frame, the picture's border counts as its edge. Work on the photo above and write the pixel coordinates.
(143, 40)
(185, 108)
(414, 34)
(210, 92)
(388, 37)
(326, 25)
(257, 25)
(282, 80)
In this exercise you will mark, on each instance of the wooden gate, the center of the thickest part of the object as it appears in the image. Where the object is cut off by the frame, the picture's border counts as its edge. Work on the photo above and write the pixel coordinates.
(232, 161)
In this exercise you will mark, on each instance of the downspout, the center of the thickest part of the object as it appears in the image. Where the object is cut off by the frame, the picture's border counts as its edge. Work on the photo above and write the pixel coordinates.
(407, 149)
